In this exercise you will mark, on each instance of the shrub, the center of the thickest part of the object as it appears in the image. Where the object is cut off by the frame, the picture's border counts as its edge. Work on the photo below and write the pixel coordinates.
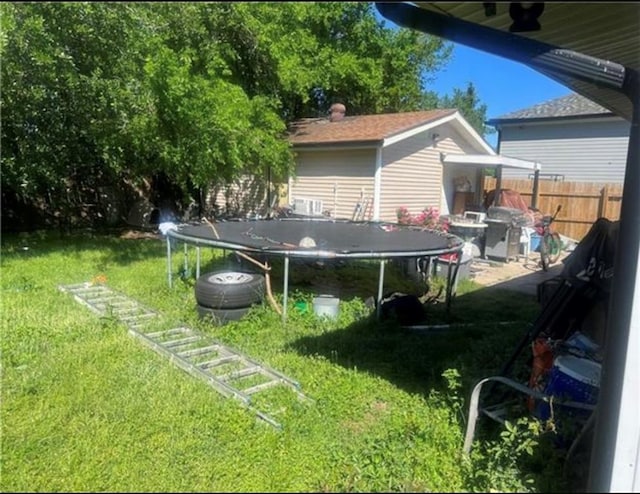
(428, 218)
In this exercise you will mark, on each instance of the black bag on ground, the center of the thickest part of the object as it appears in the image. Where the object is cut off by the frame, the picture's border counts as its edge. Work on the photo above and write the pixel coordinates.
(406, 309)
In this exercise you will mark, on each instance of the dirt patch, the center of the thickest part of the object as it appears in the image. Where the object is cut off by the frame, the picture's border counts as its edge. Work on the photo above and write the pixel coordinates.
(490, 273)
(522, 276)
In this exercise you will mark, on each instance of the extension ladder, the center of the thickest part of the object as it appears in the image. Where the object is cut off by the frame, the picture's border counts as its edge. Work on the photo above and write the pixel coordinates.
(226, 370)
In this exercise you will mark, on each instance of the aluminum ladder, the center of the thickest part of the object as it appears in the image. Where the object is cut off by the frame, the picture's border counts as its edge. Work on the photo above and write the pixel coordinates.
(226, 370)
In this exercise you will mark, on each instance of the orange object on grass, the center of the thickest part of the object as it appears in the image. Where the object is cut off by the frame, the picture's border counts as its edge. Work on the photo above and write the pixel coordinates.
(99, 279)
(540, 367)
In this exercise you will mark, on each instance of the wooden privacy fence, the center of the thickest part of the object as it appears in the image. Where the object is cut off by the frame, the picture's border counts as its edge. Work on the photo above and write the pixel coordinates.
(582, 203)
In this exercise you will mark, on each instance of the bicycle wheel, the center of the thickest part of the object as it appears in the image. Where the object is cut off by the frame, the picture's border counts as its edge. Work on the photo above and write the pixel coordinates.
(554, 247)
(550, 249)
(544, 254)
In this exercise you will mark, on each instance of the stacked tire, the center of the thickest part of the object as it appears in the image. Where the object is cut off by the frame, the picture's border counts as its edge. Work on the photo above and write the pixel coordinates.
(228, 295)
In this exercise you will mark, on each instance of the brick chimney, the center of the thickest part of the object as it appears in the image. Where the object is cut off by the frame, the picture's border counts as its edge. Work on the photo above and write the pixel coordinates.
(336, 112)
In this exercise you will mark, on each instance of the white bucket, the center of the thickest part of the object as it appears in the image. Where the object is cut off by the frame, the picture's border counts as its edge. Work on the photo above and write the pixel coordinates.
(326, 306)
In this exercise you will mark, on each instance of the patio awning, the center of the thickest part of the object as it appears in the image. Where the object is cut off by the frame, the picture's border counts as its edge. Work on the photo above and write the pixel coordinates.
(487, 161)
(497, 161)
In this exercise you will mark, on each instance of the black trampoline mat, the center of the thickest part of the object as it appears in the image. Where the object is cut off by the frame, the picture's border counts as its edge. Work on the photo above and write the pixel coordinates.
(332, 238)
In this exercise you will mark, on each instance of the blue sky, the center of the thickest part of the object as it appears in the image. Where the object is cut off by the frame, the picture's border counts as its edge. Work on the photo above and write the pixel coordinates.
(503, 85)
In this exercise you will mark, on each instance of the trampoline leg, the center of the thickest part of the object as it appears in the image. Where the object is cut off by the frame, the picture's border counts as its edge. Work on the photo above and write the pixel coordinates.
(285, 294)
(197, 262)
(452, 279)
(169, 260)
(380, 285)
(186, 260)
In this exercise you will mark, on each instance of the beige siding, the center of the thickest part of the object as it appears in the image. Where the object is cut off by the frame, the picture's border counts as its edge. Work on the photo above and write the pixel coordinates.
(413, 173)
(335, 177)
(412, 176)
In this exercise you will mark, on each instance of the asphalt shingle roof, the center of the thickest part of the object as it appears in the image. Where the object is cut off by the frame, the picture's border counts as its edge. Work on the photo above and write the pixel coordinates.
(360, 128)
(572, 105)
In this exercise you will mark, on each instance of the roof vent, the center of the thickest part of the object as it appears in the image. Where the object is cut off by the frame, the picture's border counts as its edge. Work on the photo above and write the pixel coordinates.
(336, 112)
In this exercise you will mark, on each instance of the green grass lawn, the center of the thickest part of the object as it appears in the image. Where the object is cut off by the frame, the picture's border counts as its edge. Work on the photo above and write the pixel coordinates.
(86, 407)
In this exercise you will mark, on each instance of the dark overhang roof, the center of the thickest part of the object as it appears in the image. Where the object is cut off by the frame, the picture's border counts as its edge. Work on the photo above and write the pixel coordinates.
(570, 107)
(592, 48)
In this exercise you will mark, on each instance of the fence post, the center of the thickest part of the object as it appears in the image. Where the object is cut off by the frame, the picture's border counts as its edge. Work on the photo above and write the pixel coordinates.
(604, 200)
(535, 193)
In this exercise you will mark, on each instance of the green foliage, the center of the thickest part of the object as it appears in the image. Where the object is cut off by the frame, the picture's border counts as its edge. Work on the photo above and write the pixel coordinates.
(469, 105)
(524, 458)
(102, 95)
(497, 467)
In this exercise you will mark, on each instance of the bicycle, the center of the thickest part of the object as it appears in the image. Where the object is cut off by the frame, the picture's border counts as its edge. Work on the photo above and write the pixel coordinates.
(550, 241)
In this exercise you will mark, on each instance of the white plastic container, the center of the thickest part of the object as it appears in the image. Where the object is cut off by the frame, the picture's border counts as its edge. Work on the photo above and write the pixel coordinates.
(326, 306)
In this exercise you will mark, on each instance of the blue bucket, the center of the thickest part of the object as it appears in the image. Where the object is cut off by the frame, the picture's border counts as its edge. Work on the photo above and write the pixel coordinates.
(572, 378)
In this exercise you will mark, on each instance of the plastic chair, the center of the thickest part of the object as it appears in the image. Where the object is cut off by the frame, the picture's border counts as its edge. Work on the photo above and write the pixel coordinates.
(496, 412)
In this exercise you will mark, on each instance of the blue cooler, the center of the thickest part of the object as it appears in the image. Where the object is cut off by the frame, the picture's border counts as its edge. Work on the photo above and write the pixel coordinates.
(572, 378)
(534, 242)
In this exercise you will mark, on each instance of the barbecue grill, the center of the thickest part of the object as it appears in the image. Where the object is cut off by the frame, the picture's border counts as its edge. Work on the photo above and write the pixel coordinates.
(502, 237)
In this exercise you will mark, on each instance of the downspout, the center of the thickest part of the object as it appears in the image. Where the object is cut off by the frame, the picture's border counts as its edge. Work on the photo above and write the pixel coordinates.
(377, 184)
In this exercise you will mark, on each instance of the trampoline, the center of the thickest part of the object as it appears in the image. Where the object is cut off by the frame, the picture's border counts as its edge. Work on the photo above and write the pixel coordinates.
(318, 239)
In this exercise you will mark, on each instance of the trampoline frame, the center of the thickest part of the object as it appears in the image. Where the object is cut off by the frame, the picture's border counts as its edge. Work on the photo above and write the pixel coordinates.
(293, 252)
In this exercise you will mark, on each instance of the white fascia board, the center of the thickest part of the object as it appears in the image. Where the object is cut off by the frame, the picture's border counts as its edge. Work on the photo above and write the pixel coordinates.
(456, 119)
(475, 139)
(490, 160)
(410, 133)
(467, 131)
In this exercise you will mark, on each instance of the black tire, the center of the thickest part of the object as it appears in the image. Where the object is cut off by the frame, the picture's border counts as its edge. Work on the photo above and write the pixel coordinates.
(221, 316)
(229, 289)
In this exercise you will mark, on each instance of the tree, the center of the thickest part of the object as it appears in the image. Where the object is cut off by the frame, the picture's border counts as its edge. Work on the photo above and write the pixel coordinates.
(65, 98)
(469, 105)
(106, 94)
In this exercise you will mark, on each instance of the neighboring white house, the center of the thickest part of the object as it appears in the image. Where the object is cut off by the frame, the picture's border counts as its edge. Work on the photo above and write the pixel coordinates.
(575, 139)
(383, 161)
